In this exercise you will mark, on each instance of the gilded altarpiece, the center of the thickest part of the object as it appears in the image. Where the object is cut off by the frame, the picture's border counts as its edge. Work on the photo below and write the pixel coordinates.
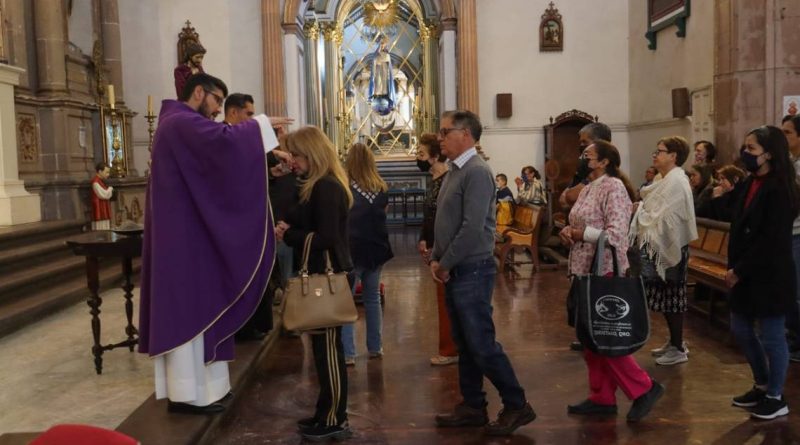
(372, 75)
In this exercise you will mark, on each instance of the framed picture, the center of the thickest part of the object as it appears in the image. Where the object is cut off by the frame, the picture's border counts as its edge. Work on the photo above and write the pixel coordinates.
(551, 30)
(664, 13)
(108, 138)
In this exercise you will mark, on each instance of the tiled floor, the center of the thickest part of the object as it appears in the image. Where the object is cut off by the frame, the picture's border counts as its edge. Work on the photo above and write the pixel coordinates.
(47, 375)
(393, 400)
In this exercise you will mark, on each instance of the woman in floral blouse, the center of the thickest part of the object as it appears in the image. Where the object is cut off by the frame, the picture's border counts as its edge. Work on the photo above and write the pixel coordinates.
(604, 205)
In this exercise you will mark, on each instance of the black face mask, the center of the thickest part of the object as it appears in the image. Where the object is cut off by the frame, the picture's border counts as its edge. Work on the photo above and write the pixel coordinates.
(583, 170)
(750, 161)
(423, 166)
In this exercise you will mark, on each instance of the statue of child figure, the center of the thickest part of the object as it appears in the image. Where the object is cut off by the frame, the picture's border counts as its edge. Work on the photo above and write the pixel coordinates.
(101, 194)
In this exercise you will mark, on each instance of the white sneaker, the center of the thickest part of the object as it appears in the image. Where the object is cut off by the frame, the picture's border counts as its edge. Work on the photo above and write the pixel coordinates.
(658, 352)
(672, 357)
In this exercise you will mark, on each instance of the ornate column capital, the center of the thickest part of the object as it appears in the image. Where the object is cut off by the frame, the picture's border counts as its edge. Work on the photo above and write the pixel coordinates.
(332, 32)
(311, 30)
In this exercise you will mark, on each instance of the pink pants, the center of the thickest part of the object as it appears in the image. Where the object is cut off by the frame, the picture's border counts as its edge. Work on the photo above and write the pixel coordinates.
(608, 373)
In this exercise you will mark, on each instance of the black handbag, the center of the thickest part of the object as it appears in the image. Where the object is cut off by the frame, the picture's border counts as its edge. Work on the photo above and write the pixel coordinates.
(609, 314)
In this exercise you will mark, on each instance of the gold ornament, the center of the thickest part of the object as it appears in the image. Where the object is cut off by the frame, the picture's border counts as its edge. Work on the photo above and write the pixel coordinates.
(380, 13)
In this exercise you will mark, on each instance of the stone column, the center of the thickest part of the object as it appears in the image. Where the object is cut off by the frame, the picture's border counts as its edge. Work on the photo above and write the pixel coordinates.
(14, 14)
(756, 61)
(429, 36)
(293, 43)
(333, 89)
(48, 19)
(467, 41)
(3, 34)
(449, 69)
(272, 38)
(112, 45)
(313, 87)
(17, 206)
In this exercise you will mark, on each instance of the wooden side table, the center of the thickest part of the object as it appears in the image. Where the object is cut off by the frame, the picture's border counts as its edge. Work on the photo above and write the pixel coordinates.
(106, 244)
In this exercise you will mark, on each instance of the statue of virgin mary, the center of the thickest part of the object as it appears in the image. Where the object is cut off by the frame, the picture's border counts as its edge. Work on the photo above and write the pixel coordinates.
(381, 81)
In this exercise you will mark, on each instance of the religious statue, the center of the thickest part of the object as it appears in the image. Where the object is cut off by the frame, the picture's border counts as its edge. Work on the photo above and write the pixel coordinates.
(192, 64)
(101, 194)
(381, 80)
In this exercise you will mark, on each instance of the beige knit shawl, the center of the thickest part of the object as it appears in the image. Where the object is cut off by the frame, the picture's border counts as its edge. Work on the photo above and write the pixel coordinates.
(664, 221)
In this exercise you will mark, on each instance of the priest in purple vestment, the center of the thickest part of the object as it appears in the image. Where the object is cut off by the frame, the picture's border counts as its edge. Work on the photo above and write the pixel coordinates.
(209, 243)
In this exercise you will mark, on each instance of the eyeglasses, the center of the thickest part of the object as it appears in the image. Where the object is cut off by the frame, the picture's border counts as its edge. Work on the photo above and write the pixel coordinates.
(216, 96)
(655, 153)
(443, 132)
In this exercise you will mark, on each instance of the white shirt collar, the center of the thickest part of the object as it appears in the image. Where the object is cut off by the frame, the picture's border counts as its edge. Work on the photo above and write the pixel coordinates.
(464, 157)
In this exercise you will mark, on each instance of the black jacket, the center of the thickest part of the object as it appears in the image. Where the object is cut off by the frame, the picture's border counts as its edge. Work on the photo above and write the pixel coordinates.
(369, 239)
(760, 252)
(325, 214)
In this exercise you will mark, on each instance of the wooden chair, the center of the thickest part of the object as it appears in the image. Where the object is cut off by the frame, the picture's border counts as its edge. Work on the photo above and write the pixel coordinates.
(523, 233)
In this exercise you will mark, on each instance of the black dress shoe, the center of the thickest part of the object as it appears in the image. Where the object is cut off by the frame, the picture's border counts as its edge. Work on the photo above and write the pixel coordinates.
(644, 403)
(576, 346)
(588, 407)
(225, 398)
(307, 423)
(185, 408)
(249, 335)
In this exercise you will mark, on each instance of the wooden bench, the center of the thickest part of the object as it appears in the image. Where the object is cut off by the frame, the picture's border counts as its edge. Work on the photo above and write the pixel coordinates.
(708, 259)
(522, 234)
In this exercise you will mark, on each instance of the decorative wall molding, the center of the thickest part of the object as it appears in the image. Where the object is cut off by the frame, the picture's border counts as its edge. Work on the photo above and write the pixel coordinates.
(27, 138)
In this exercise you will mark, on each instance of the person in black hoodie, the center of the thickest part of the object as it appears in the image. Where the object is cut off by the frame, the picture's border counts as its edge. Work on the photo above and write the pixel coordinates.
(761, 268)
(325, 200)
(369, 245)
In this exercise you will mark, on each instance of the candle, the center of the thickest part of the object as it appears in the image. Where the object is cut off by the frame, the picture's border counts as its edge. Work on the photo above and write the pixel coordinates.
(111, 96)
(149, 105)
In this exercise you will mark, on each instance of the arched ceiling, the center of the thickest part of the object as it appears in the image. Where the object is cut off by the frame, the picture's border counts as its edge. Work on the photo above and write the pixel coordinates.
(295, 11)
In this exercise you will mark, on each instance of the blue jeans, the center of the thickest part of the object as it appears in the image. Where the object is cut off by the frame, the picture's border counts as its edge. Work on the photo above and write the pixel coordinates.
(468, 296)
(371, 295)
(285, 257)
(767, 352)
(793, 317)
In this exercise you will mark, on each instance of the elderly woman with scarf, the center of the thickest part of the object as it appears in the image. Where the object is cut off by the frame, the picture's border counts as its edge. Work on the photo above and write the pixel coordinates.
(663, 224)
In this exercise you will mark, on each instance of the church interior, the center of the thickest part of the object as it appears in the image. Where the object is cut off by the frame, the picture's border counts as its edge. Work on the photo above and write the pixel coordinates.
(82, 85)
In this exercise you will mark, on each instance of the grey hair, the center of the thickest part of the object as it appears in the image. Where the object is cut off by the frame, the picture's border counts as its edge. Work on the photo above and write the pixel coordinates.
(597, 130)
(466, 119)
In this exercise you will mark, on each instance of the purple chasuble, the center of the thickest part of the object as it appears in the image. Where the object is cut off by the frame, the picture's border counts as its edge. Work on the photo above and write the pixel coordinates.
(209, 242)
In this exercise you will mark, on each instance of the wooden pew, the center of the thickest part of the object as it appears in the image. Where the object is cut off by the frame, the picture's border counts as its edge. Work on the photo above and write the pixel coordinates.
(708, 258)
(523, 233)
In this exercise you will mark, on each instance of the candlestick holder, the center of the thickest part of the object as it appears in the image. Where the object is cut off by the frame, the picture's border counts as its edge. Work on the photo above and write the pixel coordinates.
(151, 131)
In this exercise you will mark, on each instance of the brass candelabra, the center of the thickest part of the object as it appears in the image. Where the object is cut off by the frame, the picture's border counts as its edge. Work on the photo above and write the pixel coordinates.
(150, 130)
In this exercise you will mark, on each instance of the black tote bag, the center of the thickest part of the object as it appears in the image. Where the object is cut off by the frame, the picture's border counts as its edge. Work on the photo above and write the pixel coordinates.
(610, 314)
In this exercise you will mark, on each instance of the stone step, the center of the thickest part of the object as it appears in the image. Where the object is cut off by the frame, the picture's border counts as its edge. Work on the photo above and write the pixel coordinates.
(36, 305)
(21, 257)
(24, 281)
(33, 233)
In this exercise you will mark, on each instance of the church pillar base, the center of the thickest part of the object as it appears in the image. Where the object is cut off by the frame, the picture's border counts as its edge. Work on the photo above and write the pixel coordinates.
(17, 206)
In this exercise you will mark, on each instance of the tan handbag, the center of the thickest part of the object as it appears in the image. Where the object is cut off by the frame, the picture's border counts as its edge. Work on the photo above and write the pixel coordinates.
(318, 301)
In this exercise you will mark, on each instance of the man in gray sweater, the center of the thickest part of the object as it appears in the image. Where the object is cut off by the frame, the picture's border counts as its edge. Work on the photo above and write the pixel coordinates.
(462, 259)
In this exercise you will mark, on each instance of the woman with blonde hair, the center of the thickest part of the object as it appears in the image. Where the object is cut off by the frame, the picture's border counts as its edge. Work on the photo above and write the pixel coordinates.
(325, 200)
(369, 245)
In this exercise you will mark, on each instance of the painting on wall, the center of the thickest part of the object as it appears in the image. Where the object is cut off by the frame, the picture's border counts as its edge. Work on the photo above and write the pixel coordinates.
(664, 13)
(551, 30)
(791, 105)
